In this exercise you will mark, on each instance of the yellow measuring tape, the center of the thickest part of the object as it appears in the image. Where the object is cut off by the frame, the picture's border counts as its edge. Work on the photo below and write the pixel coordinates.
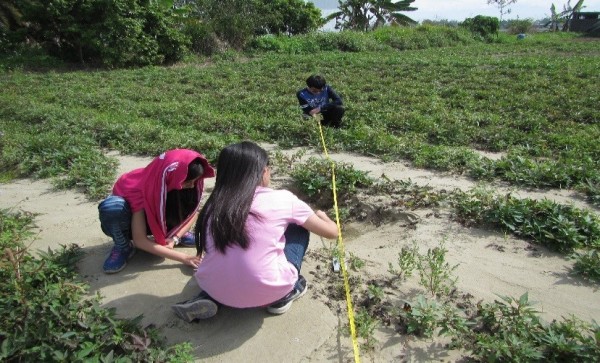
(341, 249)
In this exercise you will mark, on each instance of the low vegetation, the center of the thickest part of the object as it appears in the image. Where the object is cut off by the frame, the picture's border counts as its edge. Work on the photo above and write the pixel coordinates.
(507, 329)
(519, 111)
(48, 317)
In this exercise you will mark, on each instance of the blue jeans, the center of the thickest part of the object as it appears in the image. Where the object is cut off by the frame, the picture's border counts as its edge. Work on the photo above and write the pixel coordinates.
(115, 220)
(296, 243)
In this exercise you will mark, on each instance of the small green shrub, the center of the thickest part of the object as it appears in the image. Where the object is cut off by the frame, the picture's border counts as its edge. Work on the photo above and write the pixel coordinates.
(484, 26)
(46, 315)
(203, 39)
(356, 263)
(511, 330)
(558, 227)
(587, 264)
(422, 317)
(408, 261)
(314, 178)
(435, 273)
(591, 188)
(365, 328)
(520, 26)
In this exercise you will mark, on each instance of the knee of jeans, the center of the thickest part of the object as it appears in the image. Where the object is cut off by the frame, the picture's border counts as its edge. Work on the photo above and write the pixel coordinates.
(114, 210)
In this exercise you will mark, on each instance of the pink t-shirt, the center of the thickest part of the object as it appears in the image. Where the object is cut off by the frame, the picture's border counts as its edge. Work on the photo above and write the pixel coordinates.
(261, 274)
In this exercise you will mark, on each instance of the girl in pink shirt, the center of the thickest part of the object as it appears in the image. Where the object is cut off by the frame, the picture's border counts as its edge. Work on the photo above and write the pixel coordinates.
(253, 238)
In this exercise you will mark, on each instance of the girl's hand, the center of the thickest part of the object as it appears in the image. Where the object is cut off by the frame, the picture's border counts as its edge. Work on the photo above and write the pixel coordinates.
(193, 261)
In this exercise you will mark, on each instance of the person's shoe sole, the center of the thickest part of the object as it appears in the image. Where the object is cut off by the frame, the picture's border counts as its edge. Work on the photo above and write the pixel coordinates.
(286, 307)
(195, 309)
(114, 271)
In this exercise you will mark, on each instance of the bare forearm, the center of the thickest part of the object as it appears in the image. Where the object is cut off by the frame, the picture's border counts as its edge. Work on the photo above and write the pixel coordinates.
(161, 251)
(186, 227)
(322, 225)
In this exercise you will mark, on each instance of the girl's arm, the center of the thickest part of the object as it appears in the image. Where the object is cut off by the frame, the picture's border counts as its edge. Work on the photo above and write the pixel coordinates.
(321, 224)
(141, 241)
(186, 227)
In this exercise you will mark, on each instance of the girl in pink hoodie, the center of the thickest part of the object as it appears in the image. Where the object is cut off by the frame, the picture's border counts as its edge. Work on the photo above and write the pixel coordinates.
(161, 200)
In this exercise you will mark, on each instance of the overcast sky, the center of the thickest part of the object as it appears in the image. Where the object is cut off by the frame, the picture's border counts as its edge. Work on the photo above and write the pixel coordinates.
(462, 9)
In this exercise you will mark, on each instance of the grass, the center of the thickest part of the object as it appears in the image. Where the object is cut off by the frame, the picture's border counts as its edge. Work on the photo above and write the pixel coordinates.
(535, 101)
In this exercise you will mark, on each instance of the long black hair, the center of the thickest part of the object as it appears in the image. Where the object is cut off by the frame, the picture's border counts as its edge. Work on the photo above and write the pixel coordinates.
(240, 169)
(182, 202)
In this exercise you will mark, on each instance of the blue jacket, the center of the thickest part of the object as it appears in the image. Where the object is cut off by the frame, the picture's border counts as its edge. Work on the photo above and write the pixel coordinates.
(309, 101)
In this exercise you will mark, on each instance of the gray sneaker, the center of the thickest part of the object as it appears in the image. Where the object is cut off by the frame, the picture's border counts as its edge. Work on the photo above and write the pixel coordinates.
(285, 303)
(200, 307)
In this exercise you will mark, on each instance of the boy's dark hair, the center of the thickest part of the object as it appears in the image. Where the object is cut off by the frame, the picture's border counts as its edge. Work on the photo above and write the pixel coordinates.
(315, 81)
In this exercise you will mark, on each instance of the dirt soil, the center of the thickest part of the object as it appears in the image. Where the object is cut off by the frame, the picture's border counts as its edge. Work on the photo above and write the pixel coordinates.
(316, 328)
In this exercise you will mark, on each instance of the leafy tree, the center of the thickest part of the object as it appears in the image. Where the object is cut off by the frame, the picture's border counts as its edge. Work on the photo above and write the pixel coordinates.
(564, 16)
(368, 15)
(485, 26)
(12, 28)
(236, 25)
(247, 18)
(291, 17)
(109, 32)
(10, 16)
(555, 18)
(568, 12)
(502, 5)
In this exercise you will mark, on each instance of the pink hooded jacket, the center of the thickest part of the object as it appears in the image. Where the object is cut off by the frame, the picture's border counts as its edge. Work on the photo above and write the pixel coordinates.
(147, 188)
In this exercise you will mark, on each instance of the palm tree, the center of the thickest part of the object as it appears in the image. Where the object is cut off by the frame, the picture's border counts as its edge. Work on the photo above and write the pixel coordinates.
(569, 11)
(368, 15)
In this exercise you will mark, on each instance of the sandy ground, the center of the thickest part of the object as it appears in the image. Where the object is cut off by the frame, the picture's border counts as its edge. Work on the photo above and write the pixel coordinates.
(315, 329)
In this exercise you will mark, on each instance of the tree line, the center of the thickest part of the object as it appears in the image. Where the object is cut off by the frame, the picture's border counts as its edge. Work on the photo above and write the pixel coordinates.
(122, 33)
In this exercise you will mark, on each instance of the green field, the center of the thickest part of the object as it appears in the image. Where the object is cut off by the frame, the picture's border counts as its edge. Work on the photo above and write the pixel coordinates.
(536, 101)
(444, 104)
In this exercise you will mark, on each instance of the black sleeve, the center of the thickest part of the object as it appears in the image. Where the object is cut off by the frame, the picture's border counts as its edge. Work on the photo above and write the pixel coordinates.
(336, 99)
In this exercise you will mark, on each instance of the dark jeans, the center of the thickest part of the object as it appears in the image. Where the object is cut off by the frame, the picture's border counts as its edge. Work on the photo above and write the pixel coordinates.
(332, 115)
(296, 243)
(115, 220)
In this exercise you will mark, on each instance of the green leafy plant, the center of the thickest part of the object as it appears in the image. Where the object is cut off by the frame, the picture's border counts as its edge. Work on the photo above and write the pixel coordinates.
(48, 317)
(587, 264)
(511, 330)
(365, 328)
(375, 294)
(314, 179)
(116, 33)
(484, 26)
(356, 263)
(435, 273)
(559, 227)
(408, 261)
(422, 317)
(520, 26)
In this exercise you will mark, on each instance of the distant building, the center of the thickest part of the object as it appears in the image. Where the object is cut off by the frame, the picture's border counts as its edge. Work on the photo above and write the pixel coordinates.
(583, 21)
